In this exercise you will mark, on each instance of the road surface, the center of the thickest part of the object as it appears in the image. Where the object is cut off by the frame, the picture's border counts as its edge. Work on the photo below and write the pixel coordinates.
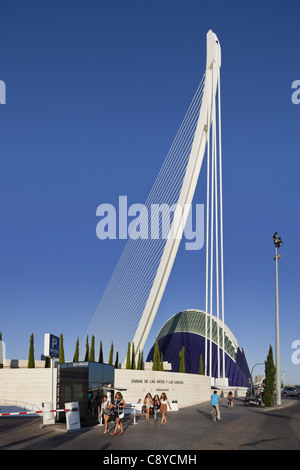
(189, 429)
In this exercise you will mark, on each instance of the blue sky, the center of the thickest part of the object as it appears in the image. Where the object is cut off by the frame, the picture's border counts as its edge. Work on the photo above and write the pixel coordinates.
(96, 92)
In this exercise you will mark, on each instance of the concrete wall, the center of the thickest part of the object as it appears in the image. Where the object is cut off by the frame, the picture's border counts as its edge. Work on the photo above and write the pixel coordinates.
(21, 363)
(187, 389)
(26, 388)
(29, 388)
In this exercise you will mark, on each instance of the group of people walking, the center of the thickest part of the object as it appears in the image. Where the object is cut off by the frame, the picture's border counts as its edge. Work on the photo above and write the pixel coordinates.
(116, 410)
(151, 405)
(158, 405)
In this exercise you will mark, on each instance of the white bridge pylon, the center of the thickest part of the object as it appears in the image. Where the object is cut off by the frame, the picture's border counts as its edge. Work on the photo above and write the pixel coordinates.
(202, 139)
(130, 302)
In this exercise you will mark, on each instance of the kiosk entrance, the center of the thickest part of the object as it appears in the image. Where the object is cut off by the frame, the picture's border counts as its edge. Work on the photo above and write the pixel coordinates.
(85, 383)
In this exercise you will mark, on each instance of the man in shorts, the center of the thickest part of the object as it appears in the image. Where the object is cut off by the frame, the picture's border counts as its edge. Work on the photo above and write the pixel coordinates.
(215, 401)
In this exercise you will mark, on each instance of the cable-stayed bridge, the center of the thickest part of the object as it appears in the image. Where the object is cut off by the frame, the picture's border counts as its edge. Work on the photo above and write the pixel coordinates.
(136, 287)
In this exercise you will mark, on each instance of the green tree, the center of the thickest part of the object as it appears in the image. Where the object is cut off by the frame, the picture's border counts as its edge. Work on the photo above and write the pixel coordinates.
(140, 362)
(181, 360)
(117, 361)
(87, 348)
(76, 354)
(138, 366)
(132, 365)
(128, 363)
(156, 356)
(31, 363)
(61, 357)
(100, 353)
(111, 354)
(201, 368)
(161, 363)
(47, 362)
(270, 373)
(92, 350)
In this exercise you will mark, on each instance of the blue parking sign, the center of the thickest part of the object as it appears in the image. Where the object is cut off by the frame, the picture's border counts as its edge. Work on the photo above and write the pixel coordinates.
(54, 346)
(51, 345)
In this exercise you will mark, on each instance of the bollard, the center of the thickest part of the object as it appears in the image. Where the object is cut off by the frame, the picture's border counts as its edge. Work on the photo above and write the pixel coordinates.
(134, 416)
(48, 417)
(72, 416)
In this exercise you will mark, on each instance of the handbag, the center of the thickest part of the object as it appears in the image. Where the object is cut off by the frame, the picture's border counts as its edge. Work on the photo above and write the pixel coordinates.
(118, 414)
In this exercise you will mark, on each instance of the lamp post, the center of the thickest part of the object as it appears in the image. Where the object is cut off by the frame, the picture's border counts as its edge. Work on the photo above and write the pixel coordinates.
(251, 373)
(277, 242)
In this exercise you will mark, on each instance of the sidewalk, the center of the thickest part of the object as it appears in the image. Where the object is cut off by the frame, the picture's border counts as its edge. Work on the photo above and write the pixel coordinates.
(186, 430)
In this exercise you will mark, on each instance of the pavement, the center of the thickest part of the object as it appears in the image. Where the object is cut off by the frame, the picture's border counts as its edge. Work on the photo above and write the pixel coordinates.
(187, 431)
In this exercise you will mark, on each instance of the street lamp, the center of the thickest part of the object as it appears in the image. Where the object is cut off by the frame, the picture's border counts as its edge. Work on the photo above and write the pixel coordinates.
(277, 242)
(251, 374)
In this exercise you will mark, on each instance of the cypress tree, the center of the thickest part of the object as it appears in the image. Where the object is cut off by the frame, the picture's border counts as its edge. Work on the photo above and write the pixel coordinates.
(76, 354)
(31, 363)
(139, 362)
(61, 358)
(86, 357)
(156, 356)
(133, 357)
(117, 361)
(92, 350)
(142, 361)
(128, 364)
(101, 353)
(201, 368)
(181, 360)
(47, 363)
(161, 363)
(111, 354)
(270, 373)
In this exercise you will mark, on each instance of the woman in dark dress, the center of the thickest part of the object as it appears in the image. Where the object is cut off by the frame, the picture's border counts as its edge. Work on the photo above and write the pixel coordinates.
(119, 406)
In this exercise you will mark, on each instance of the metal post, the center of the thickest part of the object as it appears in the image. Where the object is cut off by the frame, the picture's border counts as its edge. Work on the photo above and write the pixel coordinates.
(251, 375)
(278, 243)
(278, 384)
(51, 360)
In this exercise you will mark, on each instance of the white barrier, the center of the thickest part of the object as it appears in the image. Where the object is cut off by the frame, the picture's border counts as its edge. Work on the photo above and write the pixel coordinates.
(72, 416)
(33, 412)
(48, 416)
(71, 410)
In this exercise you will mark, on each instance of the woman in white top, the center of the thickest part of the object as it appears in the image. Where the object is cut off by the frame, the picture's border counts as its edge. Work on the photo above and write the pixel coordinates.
(164, 408)
(105, 411)
(148, 403)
